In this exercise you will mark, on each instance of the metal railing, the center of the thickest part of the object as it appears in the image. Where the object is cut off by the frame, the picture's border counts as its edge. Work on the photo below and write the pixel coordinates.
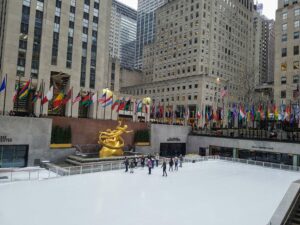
(52, 171)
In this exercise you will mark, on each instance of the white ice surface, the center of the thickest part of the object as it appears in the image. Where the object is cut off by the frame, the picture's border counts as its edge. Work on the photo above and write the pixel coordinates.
(206, 193)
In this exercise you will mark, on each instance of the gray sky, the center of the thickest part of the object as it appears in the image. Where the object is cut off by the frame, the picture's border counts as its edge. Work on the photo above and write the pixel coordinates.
(269, 6)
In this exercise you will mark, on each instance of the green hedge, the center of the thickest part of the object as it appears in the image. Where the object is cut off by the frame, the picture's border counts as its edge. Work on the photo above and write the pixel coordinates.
(142, 136)
(61, 135)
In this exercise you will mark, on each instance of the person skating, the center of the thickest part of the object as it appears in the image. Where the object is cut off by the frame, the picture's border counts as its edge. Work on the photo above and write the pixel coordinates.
(152, 161)
(157, 159)
(180, 160)
(135, 161)
(149, 164)
(171, 164)
(164, 166)
(176, 163)
(131, 166)
(126, 162)
(142, 161)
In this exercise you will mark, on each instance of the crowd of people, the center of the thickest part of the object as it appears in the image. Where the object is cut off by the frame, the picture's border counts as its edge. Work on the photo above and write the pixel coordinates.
(151, 161)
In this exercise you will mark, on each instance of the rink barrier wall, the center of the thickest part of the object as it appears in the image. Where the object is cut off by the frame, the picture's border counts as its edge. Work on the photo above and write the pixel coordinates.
(53, 171)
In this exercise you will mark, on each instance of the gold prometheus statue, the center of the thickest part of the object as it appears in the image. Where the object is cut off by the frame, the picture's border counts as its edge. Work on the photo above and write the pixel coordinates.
(112, 142)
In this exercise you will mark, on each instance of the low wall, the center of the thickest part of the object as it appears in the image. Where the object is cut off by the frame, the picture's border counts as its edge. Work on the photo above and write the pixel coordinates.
(195, 142)
(86, 131)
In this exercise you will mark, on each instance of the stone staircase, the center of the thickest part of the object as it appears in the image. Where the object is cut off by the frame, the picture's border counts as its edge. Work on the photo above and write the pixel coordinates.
(294, 218)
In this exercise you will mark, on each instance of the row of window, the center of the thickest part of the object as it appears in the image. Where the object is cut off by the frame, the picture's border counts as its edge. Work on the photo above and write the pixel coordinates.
(295, 66)
(296, 13)
(284, 51)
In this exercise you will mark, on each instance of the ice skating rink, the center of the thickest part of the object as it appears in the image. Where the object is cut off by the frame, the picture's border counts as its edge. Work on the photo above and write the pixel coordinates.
(206, 193)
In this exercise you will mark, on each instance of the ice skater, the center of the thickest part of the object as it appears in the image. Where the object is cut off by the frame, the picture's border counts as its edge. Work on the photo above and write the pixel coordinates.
(143, 161)
(164, 166)
(152, 161)
(171, 164)
(131, 166)
(176, 163)
(180, 160)
(126, 162)
(149, 164)
(157, 159)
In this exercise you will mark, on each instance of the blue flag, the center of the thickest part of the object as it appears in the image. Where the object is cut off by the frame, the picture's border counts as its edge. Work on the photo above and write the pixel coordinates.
(3, 85)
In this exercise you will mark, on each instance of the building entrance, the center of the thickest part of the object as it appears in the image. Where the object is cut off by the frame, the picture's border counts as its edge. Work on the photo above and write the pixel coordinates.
(172, 149)
(13, 156)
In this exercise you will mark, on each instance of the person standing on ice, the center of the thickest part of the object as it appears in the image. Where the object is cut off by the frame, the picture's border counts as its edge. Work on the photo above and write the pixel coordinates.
(180, 160)
(142, 161)
(176, 164)
(171, 164)
(157, 159)
(131, 166)
(149, 164)
(164, 166)
(126, 162)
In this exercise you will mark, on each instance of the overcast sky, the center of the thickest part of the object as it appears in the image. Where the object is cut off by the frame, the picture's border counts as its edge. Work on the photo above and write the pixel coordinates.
(269, 6)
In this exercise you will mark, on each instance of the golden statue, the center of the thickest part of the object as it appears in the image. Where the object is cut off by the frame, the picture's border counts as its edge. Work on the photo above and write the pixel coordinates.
(112, 142)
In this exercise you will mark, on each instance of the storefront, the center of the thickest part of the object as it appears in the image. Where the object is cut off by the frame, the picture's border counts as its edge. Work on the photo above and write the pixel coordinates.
(172, 149)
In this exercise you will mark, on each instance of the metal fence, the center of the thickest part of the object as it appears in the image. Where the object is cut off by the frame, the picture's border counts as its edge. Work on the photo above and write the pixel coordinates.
(52, 171)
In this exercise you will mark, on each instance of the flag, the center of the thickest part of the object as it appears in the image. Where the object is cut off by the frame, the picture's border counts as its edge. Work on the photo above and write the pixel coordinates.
(108, 102)
(58, 100)
(122, 105)
(252, 113)
(67, 97)
(77, 99)
(103, 98)
(24, 91)
(198, 114)
(16, 93)
(3, 85)
(242, 112)
(116, 103)
(37, 95)
(140, 106)
(94, 98)
(127, 105)
(48, 96)
(86, 100)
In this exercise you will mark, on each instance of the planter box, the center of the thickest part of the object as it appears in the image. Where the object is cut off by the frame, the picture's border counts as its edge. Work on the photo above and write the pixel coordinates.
(54, 146)
(142, 144)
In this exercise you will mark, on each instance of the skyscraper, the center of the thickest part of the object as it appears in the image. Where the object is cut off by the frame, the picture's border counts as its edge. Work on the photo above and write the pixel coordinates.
(59, 43)
(287, 53)
(122, 41)
(145, 26)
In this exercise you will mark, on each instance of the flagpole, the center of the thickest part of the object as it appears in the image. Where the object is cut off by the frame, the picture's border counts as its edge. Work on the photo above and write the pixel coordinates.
(111, 111)
(18, 93)
(97, 105)
(104, 103)
(4, 101)
(42, 90)
(72, 102)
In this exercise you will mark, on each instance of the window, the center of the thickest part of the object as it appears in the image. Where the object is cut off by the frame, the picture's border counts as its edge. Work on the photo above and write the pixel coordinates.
(284, 27)
(296, 65)
(283, 66)
(283, 52)
(285, 3)
(195, 97)
(284, 15)
(297, 12)
(283, 80)
(283, 94)
(284, 38)
(296, 79)
(196, 86)
(297, 24)
(296, 50)
(296, 35)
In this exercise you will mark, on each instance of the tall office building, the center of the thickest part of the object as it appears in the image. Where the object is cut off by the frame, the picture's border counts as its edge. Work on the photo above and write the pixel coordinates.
(59, 43)
(145, 26)
(122, 40)
(201, 48)
(287, 57)
(264, 48)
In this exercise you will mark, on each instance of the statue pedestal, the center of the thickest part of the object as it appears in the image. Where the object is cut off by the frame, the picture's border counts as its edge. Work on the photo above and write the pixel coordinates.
(108, 152)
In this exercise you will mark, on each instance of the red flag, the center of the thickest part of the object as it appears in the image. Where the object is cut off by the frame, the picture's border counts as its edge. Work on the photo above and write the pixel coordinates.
(77, 99)
(67, 97)
(122, 105)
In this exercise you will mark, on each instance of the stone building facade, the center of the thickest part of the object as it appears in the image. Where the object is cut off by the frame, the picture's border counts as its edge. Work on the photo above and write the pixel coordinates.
(287, 56)
(200, 48)
(54, 43)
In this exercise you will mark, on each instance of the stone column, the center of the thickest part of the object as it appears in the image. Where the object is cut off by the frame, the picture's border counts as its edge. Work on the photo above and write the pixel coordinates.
(295, 160)
(235, 153)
